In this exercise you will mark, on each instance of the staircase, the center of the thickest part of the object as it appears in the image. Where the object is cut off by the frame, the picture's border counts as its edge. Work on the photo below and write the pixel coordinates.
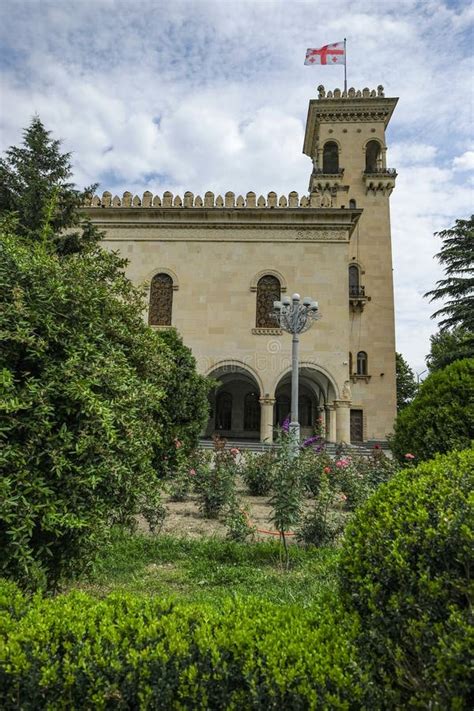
(365, 449)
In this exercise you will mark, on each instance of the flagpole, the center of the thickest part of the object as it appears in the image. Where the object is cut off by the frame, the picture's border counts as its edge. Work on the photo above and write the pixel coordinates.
(345, 66)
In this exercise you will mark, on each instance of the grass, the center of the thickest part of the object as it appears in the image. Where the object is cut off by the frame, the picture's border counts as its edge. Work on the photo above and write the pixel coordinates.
(210, 569)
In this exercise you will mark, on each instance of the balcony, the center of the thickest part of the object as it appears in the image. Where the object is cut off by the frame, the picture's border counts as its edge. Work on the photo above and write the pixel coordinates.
(379, 180)
(357, 298)
(322, 180)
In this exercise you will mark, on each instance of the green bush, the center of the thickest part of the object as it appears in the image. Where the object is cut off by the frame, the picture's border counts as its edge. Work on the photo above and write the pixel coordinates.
(84, 408)
(257, 472)
(126, 652)
(406, 570)
(441, 417)
(215, 479)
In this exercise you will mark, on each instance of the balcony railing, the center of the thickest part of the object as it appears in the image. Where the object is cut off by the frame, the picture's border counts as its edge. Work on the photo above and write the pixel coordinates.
(357, 292)
(391, 172)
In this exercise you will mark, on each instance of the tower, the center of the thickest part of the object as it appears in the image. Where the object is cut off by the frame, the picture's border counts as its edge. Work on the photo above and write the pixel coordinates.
(345, 138)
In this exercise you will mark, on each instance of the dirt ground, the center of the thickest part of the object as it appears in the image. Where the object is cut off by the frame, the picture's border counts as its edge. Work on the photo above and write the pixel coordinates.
(184, 519)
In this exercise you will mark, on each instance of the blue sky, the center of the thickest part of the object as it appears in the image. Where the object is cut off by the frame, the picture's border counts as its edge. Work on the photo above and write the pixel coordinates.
(198, 95)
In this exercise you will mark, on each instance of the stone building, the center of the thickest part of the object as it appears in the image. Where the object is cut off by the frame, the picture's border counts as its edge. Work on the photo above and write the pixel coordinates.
(214, 265)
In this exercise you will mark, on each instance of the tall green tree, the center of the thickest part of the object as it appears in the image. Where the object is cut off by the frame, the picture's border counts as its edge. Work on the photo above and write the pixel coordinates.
(92, 400)
(448, 346)
(456, 290)
(35, 185)
(406, 383)
(441, 416)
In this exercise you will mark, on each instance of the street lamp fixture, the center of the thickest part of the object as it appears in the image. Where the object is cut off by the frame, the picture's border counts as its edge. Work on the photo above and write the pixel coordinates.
(295, 316)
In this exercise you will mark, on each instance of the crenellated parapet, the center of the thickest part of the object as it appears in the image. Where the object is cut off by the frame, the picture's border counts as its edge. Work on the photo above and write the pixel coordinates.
(323, 197)
(351, 93)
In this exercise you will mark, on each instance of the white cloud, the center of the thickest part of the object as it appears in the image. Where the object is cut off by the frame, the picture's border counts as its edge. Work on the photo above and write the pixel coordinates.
(464, 162)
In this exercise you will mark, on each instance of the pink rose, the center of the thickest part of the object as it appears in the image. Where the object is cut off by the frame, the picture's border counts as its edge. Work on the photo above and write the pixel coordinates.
(342, 463)
(343, 497)
(408, 455)
(192, 472)
(234, 451)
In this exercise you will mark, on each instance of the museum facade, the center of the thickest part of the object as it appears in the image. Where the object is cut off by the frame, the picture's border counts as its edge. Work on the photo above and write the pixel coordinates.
(214, 265)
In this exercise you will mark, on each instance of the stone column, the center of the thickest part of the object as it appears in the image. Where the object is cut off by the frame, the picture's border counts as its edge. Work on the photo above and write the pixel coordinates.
(331, 423)
(343, 420)
(266, 419)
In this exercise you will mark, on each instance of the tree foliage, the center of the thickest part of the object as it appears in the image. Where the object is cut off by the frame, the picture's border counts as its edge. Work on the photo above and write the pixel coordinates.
(448, 346)
(91, 399)
(406, 383)
(441, 416)
(457, 288)
(35, 185)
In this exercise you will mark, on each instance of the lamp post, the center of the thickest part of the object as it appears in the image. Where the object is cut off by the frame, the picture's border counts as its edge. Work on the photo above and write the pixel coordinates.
(295, 316)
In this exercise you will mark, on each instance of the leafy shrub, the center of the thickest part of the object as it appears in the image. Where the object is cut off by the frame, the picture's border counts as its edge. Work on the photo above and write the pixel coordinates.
(312, 463)
(127, 652)
(215, 479)
(324, 522)
(257, 472)
(83, 422)
(287, 497)
(405, 569)
(441, 417)
(237, 522)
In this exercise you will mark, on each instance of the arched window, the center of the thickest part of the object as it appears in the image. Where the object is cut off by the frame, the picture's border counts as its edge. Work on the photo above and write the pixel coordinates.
(350, 363)
(362, 363)
(305, 408)
(373, 154)
(330, 157)
(282, 408)
(352, 204)
(268, 291)
(354, 280)
(161, 300)
(252, 412)
(224, 411)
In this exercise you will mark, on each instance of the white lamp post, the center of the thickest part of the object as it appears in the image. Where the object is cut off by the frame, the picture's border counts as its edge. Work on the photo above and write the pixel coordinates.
(295, 317)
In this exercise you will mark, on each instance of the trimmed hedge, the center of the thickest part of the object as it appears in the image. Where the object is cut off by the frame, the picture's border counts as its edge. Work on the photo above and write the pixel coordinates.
(406, 571)
(126, 652)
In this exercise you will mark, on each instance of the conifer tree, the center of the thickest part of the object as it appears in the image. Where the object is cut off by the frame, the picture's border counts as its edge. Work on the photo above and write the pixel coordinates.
(406, 383)
(457, 258)
(35, 186)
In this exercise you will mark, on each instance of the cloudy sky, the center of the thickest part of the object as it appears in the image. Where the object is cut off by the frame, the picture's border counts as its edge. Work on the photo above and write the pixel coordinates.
(212, 95)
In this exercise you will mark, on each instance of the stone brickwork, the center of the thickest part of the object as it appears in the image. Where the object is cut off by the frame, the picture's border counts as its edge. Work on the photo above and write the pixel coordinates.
(216, 248)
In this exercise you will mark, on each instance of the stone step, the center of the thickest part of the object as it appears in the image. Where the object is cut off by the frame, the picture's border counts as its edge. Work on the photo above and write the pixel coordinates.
(331, 449)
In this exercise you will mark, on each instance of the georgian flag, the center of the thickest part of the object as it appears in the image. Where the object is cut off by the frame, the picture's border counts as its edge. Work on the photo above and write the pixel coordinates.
(329, 54)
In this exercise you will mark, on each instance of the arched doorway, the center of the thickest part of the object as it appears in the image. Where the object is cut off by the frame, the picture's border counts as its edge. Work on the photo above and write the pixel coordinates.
(316, 396)
(234, 403)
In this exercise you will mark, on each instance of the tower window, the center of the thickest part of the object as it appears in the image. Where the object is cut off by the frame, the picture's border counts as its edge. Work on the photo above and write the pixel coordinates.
(252, 412)
(362, 363)
(373, 157)
(354, 280)
(352, 204)
(268, 291)
(161, 300)
(330, 157)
